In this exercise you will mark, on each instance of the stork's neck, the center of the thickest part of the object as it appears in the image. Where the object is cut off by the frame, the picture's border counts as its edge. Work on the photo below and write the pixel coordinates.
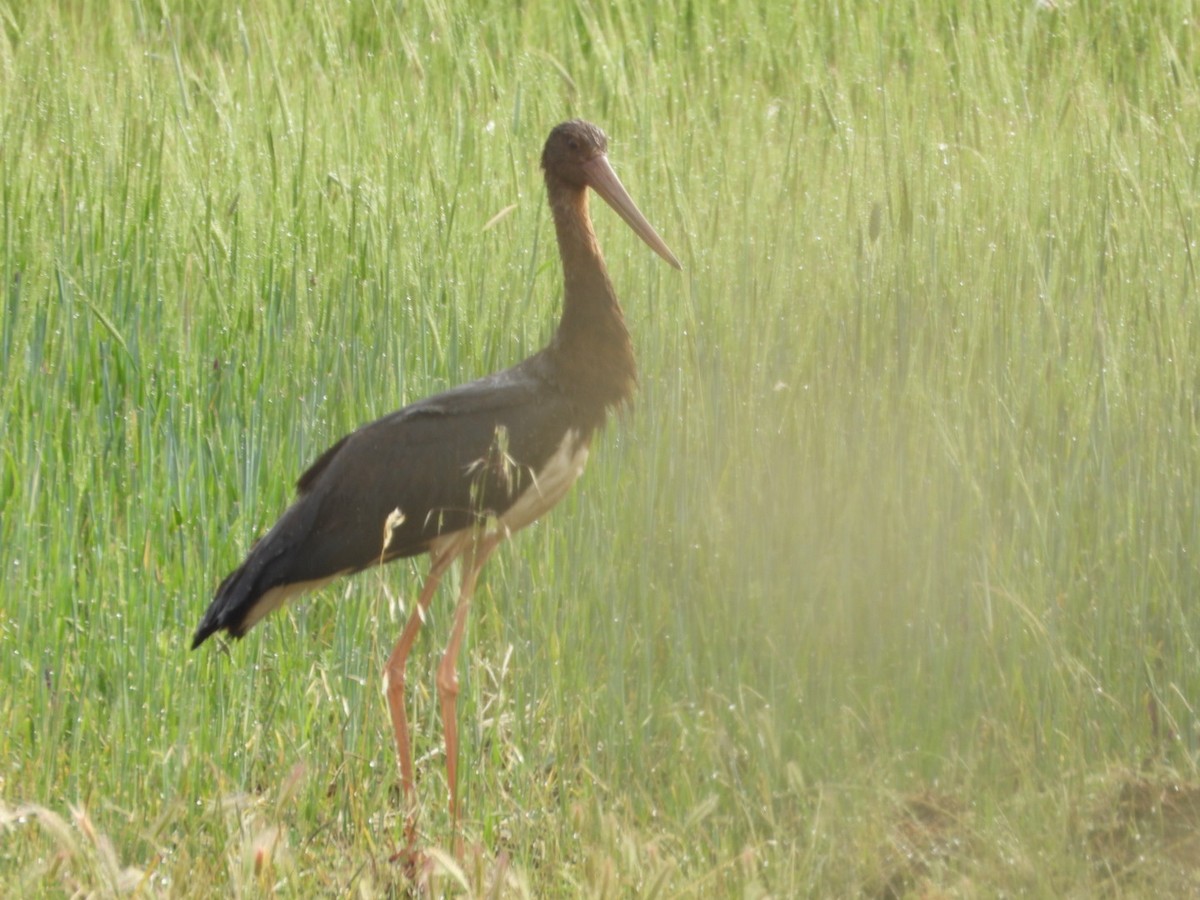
(592, 346)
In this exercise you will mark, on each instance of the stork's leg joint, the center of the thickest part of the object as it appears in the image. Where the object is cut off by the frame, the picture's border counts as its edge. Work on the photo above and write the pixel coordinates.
(394, 673)
(447, 677)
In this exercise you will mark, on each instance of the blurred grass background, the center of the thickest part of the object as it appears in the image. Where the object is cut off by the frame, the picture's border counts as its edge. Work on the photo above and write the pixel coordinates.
(885, 586)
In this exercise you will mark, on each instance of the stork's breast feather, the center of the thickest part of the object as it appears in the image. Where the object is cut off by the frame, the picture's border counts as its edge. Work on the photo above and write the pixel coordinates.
(548, 485)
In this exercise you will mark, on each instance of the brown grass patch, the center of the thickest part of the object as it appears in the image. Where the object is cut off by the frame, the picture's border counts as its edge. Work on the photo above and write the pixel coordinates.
(1145, 832)
(929, 837)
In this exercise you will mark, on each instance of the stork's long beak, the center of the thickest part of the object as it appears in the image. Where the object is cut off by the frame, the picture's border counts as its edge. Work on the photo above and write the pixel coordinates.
(603, 180)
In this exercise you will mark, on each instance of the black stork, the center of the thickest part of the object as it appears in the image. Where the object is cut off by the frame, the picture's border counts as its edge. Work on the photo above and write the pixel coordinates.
(455, 474)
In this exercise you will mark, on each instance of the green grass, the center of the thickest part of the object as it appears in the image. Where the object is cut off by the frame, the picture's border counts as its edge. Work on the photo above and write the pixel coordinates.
(887, 584)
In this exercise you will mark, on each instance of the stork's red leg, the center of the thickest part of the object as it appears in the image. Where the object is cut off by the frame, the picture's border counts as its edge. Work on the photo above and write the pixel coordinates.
(394, 673)
(447, 674)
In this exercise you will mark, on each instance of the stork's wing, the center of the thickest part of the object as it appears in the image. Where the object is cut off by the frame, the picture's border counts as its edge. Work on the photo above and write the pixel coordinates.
(442, 462)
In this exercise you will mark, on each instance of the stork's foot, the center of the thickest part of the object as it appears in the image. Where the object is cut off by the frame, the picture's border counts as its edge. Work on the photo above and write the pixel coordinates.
(420, 867)
(410, 857)
(414, 863)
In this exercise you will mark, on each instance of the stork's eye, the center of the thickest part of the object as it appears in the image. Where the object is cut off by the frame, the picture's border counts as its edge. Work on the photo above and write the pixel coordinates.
(573, 143)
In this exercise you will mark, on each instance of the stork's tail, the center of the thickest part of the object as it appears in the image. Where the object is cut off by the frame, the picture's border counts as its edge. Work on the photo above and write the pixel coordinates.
(267, 577)
(233, 604)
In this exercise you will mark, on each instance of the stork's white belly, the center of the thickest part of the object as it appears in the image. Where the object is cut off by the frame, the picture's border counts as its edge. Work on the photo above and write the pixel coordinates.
(274, 598)
(548, 485)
